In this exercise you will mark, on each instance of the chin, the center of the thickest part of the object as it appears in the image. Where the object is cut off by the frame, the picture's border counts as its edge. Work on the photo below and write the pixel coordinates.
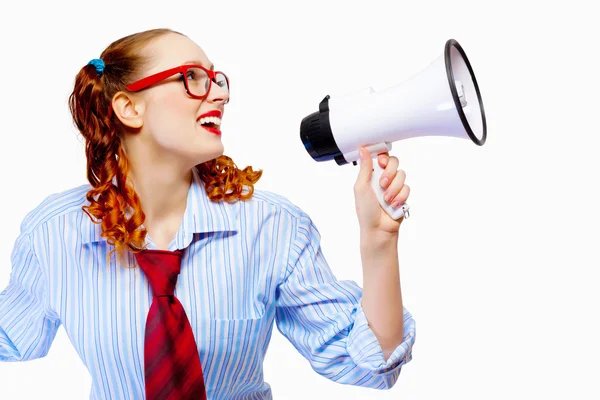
(219, 151)
(207, 155)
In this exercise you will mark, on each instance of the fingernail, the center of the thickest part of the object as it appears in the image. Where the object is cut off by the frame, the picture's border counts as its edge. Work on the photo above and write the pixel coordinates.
(384, 181)
(384, 161)
(395, 204)
(363, 154)
(386, 197)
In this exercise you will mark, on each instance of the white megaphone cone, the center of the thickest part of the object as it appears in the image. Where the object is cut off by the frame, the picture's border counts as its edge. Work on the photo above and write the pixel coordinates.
(441, 100)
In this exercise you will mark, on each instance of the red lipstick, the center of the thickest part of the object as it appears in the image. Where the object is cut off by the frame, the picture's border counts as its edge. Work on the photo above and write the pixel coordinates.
(213, 113)
(213, 128)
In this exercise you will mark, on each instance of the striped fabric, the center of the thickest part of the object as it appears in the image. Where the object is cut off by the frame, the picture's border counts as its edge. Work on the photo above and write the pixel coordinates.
(249, 266)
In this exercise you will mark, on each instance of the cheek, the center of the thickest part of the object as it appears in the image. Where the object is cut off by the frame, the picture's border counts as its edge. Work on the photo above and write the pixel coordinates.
(170, 117)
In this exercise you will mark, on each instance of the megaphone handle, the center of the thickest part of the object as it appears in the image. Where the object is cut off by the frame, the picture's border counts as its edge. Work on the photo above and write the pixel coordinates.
(394, 213)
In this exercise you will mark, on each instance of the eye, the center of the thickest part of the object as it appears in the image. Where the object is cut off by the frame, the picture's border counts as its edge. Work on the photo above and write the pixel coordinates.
(191, 74)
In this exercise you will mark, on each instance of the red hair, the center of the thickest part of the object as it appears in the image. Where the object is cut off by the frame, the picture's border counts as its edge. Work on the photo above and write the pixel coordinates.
(117, 207)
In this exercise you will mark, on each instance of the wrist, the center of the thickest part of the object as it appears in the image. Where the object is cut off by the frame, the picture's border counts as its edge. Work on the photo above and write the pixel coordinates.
(376, 239)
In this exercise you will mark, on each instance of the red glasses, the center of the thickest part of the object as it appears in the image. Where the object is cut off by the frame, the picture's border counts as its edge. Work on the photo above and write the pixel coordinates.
(196, 79)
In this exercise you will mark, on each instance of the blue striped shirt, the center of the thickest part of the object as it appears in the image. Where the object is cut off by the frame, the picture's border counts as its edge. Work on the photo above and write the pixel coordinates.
(247, 265)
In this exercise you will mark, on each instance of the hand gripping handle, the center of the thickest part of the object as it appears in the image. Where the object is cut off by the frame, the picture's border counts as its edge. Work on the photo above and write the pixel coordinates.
(394, 213)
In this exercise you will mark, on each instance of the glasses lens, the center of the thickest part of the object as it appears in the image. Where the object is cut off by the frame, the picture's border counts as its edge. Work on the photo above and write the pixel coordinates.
(221, 80)
(197, 80)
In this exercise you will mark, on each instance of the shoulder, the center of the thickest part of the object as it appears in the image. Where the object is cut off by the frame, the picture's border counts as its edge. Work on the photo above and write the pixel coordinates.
(276, 210)
(270, 201)
(55, 205)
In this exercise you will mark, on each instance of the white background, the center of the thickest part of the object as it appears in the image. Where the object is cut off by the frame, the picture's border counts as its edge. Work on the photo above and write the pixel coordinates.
(499, 260)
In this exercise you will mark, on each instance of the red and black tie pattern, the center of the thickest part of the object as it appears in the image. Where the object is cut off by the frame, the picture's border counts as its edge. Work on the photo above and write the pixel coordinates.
(171, 360)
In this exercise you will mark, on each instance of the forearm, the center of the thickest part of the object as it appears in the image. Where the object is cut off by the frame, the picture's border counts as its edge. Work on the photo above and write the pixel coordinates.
(382, 296)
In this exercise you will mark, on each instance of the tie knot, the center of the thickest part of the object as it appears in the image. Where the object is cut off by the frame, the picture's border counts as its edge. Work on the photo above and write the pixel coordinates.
(161, 268)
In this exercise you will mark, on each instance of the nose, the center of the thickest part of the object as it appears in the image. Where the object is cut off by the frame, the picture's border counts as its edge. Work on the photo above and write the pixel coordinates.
(217, 94)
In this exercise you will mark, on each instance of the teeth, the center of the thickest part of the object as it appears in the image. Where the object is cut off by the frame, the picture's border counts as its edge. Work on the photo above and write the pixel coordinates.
(210, 120)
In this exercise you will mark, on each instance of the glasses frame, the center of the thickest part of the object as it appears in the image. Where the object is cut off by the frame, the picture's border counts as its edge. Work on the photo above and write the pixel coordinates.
(182, 69)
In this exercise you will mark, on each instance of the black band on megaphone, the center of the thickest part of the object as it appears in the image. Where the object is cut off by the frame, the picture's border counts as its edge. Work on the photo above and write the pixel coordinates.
(316, 134)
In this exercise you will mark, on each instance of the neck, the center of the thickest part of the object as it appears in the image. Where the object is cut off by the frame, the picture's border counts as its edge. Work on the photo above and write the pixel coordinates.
(162, 189)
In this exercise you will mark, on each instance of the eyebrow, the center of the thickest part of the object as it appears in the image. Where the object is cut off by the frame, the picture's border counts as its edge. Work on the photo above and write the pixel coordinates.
(212, 66)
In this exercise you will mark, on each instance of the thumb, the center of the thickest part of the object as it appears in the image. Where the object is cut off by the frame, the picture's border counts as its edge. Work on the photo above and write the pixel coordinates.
(366, 167)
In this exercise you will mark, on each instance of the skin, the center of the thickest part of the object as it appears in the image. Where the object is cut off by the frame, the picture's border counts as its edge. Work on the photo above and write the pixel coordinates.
(382, 295)
(163, 142)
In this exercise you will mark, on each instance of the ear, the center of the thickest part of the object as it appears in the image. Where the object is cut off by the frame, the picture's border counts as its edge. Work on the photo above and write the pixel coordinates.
(129, 109)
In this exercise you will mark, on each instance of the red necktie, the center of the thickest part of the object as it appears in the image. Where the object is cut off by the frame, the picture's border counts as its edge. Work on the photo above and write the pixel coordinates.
(171, 361)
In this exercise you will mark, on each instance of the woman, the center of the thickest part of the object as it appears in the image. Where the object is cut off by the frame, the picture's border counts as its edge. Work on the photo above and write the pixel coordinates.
(227, 260)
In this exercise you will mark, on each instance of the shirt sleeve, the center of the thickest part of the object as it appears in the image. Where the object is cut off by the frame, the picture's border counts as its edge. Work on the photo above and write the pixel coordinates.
(26, 326)
(324, 320)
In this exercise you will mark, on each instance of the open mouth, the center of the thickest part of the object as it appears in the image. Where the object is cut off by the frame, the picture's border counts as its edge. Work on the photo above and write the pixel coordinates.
(211, 124)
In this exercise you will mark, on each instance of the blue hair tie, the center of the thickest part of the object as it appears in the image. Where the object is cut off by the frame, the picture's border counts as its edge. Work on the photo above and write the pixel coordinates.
(98, 64)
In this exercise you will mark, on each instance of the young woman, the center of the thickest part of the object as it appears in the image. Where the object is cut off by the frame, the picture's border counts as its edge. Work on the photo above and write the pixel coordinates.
(168, 270)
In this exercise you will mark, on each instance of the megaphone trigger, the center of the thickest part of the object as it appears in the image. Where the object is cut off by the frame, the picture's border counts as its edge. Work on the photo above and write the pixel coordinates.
(373, 149)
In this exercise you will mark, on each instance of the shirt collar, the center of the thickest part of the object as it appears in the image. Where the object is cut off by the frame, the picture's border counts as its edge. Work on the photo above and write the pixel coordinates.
(201, 215)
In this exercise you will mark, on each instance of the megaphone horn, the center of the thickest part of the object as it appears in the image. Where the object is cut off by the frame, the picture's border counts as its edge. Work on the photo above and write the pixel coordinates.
(441, 100)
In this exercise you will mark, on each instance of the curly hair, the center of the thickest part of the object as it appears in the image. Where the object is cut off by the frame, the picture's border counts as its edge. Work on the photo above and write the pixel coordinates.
(114, 203)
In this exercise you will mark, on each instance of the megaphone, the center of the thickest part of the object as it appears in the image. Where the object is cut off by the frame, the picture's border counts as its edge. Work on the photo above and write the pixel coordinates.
(441, 100)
